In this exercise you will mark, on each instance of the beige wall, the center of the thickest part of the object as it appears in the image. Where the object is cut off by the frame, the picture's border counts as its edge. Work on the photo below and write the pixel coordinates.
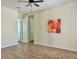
(67, 38)
(9, 27)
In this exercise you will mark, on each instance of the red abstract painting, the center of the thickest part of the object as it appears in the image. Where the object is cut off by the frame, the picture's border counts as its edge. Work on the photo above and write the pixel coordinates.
(54, 26)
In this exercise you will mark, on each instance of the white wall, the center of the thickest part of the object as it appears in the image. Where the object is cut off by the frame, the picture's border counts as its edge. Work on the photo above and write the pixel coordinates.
(64, 40)
(67, 38)
(9, 20)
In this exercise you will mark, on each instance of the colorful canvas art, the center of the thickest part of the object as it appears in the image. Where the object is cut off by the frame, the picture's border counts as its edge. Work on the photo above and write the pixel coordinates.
(54, 26)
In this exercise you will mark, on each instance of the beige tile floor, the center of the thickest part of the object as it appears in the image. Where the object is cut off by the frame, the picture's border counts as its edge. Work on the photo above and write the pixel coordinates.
(33, 51)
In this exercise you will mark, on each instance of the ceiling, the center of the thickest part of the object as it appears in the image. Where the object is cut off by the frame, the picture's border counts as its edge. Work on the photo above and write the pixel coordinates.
(22, 6)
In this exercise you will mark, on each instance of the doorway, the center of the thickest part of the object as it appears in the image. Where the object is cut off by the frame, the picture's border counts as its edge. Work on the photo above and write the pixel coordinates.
(20, 30)
(31, 29)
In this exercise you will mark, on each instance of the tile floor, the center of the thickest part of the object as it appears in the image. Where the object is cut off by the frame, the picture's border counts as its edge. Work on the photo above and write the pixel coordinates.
(33, 51)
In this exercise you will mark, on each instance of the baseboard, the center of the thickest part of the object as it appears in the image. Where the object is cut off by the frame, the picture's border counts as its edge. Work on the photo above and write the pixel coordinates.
(73, 50)
(9, 45)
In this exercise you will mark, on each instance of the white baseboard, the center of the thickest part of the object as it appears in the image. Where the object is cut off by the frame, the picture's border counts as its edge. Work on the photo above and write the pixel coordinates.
(58, 47)
(4, 46)
(66, 49)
